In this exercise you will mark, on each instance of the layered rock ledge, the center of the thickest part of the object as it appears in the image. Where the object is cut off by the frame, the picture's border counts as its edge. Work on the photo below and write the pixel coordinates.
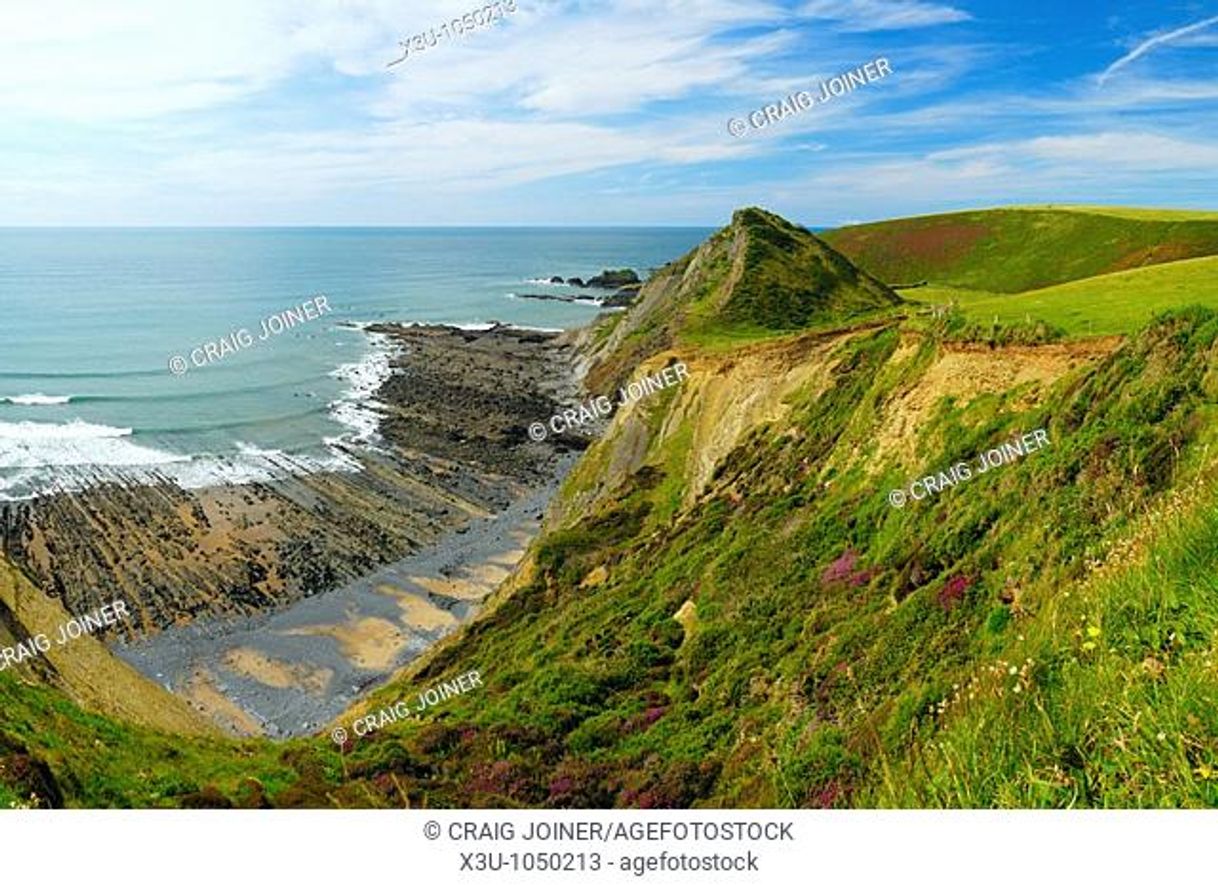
(455, 447)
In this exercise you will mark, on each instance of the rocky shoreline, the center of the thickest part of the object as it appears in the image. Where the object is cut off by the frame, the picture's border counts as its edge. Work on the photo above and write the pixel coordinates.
(624, 285)
(453, 452)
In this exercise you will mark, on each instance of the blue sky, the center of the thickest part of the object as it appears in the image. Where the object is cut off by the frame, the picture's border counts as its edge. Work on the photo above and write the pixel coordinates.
(249, 112)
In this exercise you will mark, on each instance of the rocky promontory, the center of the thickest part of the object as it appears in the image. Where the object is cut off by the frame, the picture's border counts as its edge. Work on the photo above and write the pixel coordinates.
(625, 285)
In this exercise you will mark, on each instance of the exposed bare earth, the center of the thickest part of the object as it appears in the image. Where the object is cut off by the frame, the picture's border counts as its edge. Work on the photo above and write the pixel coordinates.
(963, 372)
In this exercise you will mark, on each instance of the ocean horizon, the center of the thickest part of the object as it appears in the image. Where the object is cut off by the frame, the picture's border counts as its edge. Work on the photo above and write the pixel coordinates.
(270, 382)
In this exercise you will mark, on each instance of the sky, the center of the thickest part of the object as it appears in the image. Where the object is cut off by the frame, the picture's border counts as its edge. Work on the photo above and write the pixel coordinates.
(596, 112)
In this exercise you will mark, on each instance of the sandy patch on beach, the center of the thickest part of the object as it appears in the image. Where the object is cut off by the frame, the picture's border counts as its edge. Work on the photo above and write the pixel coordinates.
(200, 690)
(454, 588)
(369, 643)
(418, 612)
(278, 674)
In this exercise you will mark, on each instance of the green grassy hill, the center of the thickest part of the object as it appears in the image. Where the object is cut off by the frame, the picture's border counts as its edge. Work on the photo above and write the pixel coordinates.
(758, 277)
(1017, 249)
(792, 639)
(725, 608)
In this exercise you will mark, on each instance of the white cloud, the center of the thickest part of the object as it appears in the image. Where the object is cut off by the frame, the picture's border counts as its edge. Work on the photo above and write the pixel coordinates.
(283, 111)
(883, 15)
(1068, 168)
(148, 94)
(1144, 152)
(148, 58)
(614, 59)
(1149, 45)
(1199, 40)
(145, 58)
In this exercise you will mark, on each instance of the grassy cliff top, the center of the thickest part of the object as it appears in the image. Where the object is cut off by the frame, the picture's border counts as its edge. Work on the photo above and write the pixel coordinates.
(1134, 212)
(1110, 304)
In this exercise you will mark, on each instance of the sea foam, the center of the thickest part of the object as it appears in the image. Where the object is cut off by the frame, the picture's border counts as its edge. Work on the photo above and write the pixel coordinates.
(26, 444)
(40, 459)
(357, 409)
(36, 399)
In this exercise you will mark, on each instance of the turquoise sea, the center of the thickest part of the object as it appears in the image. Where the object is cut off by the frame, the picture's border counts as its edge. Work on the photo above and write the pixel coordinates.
(91, 319)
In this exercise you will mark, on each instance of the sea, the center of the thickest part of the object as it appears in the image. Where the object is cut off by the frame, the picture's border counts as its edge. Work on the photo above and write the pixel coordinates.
(106, 372)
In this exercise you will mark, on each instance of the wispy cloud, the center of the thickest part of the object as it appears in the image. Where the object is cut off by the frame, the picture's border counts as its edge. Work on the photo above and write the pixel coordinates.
(1126, 167)
(883, 15)
(283, 112)
(1154, 42)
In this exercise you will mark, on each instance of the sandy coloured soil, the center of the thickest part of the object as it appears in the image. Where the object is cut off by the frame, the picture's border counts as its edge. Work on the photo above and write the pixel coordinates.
(201, 692)
(965, 372)
(454, 588)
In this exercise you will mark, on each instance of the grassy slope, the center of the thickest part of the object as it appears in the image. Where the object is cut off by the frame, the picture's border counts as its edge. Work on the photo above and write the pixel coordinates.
(825, 625)
(1014, 250)
(1104, 305)
(84, 669)
(1133, 212)
(1118, 706)
(101, 762)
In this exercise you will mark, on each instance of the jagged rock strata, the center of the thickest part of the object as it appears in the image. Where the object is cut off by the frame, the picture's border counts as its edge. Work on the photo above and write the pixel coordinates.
(455, 447)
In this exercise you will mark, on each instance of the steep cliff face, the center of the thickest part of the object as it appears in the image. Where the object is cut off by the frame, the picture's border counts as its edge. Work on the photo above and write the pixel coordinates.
(729, 610)
(730, 606)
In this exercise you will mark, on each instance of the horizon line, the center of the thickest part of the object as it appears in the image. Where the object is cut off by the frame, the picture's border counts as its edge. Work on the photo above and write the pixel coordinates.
(353, 226)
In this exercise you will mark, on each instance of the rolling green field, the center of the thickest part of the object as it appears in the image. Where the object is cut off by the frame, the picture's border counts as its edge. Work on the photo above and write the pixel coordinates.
(1016, 250)
(1127, 212)
(1111, 304)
